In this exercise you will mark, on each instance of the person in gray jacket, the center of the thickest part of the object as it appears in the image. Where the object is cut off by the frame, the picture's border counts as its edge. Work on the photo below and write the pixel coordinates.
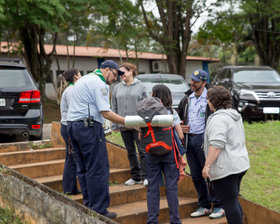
(124, 101)
(226, 155)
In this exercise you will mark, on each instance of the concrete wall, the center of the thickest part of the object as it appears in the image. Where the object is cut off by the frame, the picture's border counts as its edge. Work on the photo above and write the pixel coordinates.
(38, 204)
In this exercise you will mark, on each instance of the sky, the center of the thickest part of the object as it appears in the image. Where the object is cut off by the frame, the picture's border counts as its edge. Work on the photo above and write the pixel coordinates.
(198, 23)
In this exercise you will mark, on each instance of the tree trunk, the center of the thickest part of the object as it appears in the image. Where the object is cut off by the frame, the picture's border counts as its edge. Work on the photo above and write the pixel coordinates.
(38, 62)
(174, 33)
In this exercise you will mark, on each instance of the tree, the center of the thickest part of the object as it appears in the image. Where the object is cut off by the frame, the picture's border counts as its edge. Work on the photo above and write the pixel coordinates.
(264, 17)
(172, 29)
(31, 19)
(118, 24)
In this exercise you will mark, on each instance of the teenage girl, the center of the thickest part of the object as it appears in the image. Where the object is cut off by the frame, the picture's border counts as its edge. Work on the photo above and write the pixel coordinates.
(166, 164)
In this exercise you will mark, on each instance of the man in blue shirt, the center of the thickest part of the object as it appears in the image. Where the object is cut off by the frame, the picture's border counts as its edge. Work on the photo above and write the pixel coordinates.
(194, 111)
(88, 108)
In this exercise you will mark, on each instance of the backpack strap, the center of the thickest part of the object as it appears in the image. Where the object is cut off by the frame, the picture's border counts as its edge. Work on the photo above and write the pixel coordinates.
(174, 148)
(154, 143)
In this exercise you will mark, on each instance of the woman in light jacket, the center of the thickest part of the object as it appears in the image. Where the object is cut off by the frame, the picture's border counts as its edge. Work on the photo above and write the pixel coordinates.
(226, 155)
(124, 101)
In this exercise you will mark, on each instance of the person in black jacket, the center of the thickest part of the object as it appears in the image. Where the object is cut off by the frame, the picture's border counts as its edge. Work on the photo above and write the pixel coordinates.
(194, 111)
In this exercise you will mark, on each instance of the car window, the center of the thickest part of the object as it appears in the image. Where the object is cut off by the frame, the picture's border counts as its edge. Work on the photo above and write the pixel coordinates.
(261, 76)
(173, 84)
(14, 78)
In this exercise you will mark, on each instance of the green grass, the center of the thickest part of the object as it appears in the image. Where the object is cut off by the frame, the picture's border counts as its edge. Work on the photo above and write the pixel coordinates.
(8, 217)
(261, 184)
(262, 181)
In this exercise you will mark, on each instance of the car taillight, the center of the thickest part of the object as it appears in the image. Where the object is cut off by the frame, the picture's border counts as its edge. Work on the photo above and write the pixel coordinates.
(30, 96)
(35, 126)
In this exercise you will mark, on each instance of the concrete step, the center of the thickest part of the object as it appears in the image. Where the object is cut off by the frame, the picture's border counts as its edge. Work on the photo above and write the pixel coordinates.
(20, 146)
(40, 169)
(31, 156)
(136, 212)
(55, 181)
(201, 220)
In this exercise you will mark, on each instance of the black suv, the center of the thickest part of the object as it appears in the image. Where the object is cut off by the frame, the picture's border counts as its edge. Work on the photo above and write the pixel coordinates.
(21, 113)
(255, 90)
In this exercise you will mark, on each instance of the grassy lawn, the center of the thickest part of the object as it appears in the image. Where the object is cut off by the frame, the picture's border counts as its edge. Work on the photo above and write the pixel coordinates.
(262, 181)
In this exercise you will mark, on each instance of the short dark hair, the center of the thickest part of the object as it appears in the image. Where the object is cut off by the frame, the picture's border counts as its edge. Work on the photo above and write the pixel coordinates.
(220, 97)
(164, 94)
(69, 74)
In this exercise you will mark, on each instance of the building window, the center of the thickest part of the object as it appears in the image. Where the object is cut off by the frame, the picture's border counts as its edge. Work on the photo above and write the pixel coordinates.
(49, 78)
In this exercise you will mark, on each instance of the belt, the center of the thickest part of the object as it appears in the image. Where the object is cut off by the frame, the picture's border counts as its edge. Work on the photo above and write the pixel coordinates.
(191, 134)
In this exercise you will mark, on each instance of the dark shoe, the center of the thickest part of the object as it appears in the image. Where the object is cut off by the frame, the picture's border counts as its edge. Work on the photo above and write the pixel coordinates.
(111, 215)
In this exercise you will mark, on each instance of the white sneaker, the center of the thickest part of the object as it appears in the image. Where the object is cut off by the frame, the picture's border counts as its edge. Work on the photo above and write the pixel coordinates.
(201, 212)
(132, 182)
(145, 183)
(217, 213)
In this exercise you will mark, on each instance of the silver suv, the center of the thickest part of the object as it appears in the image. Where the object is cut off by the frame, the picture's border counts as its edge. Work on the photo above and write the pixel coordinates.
(176, 83)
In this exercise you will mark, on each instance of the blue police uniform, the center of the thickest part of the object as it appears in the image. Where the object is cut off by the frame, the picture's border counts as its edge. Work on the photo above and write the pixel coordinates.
(89, 98)
(195, 153)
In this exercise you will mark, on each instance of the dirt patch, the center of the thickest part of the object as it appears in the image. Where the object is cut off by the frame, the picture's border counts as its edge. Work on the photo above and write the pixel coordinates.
(51, 112)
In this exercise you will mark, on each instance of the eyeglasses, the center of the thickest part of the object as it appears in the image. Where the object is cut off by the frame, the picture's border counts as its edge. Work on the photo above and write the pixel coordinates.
(116, 75)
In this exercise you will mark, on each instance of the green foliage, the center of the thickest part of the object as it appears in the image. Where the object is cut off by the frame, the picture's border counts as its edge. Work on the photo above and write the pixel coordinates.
(264, 17)
(43, 13)
(8, 217)
(41, 146)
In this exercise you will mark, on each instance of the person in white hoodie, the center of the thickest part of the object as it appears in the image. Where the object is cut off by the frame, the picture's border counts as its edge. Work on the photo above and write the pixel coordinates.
(226, 155)
(124, 101)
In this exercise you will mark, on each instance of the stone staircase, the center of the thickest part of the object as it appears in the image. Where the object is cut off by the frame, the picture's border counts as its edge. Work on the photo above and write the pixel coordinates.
(46, 167)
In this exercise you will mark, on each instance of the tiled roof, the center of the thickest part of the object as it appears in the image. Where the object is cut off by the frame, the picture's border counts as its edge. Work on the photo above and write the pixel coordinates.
(83, 51)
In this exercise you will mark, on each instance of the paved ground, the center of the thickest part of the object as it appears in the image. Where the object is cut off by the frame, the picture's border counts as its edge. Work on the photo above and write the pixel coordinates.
(46, 134)
(47, 131)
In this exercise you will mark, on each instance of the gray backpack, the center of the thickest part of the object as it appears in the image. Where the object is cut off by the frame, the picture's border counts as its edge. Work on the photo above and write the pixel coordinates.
(155, 140)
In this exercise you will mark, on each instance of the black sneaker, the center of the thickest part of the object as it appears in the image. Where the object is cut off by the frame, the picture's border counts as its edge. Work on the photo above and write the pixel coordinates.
(111, 215)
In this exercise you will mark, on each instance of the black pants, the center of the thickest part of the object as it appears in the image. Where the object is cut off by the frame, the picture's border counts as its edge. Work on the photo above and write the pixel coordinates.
(137, 172)
(228, 190)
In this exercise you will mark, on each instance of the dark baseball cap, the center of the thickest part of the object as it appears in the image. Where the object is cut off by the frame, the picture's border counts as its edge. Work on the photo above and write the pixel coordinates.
(111, 64)
(199, 75)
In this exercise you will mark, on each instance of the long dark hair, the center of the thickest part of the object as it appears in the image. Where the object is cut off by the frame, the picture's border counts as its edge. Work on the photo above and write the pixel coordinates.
(164, 94)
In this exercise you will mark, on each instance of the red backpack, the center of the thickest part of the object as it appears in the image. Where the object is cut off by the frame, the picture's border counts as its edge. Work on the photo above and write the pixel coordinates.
(155, 140)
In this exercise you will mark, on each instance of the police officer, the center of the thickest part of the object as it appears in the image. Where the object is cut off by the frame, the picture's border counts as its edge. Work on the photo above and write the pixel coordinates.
(194, 111)
(88, 108)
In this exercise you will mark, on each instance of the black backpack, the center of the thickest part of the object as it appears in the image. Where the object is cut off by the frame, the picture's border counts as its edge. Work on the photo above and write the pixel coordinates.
(155, 140)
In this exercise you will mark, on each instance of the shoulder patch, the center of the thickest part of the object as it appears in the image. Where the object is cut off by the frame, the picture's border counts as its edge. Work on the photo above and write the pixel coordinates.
(104, 91)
